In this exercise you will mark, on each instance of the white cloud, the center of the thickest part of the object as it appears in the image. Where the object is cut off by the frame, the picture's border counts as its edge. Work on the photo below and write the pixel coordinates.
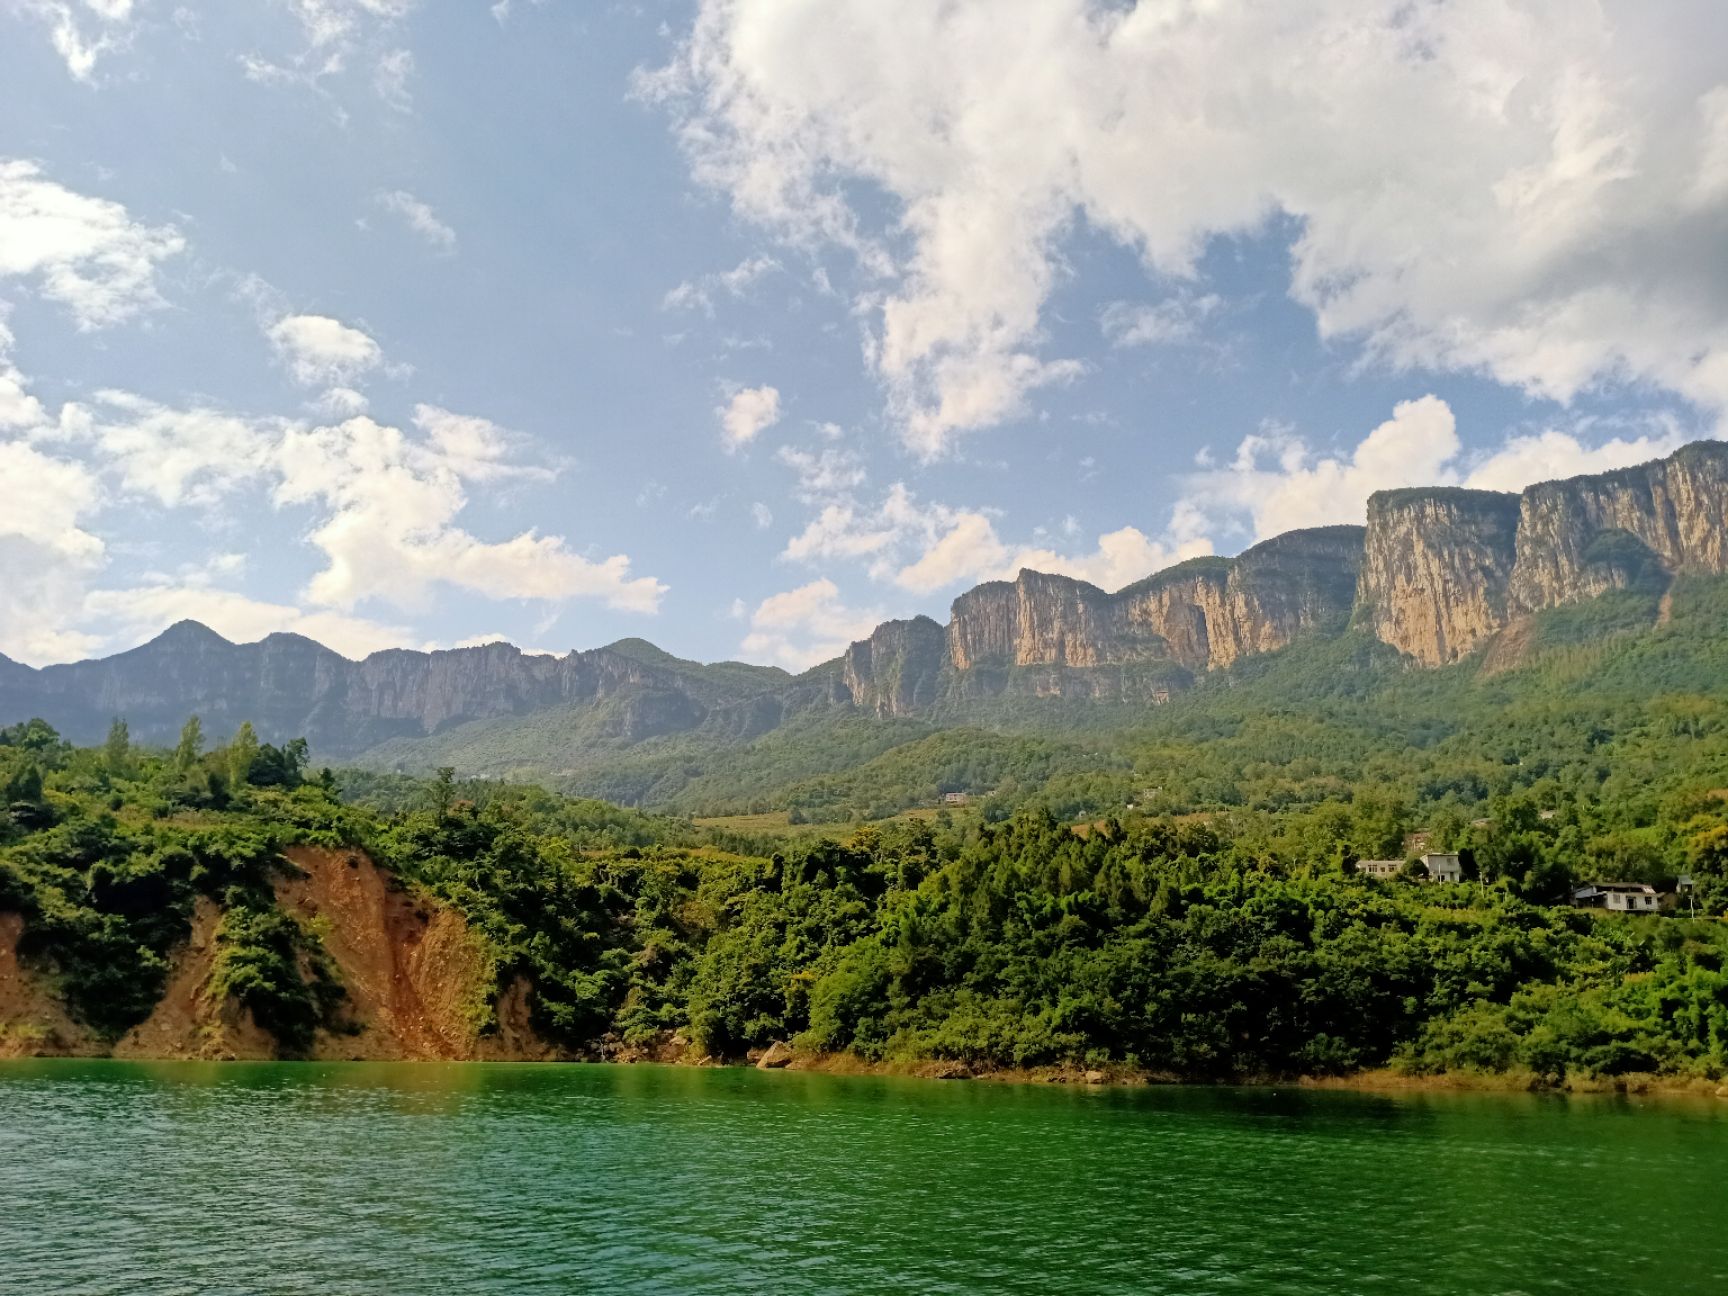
(761, 515)
(1178, 318)
(390, 79)
(391, 534)
(87, 254)
(320, 351)
(699, 293)
(1277, 482)
(924, 548)
(804, 626)
(823, 474)
(1532, 191)
(82, 31)
(45, 552)
(18, 408)
(341, 402)
(176, 457)
(420, 218)
(334, 22)
(748, 413)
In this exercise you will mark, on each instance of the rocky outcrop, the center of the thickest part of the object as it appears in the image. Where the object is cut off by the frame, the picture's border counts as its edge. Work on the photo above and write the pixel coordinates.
(1581, 537)
(1213, 611)
(897, 671)
(1444, 571)
(1437, 573)
(1436, 565)
(1036, 620)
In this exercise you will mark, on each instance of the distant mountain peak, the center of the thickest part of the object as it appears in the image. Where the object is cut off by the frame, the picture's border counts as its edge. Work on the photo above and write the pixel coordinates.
(188, 632)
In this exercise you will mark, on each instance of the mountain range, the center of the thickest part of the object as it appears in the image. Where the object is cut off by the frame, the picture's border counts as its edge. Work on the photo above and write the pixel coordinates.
(1441, 575)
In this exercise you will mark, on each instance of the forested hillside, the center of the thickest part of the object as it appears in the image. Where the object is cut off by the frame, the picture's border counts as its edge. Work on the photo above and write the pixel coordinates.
(1237, 943)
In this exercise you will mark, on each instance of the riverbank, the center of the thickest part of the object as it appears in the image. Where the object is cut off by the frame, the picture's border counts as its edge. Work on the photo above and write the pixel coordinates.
(1378, 1080)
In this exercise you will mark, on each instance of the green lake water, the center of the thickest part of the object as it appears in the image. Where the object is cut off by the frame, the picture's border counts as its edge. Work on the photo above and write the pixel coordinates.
(456, 1179)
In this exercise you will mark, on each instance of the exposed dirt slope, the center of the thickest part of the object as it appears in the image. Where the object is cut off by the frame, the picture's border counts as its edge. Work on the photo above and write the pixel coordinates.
(33, 1021)
(417, 982)
(188, 1021)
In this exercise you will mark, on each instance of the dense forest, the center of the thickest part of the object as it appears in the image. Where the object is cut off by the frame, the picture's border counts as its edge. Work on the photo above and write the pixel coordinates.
(1232, 942)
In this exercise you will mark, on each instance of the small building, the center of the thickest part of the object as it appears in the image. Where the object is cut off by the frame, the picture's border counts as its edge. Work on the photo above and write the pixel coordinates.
(1380, 868)
(955, 798)
(1160, 696)
(1443, 867)
(1587, 896)
(1629, 897)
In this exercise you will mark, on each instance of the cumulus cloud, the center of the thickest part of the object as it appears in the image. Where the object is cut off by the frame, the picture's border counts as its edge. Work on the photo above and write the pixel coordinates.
(320, 351)
(804, 626)
(1535, 192)
(420, 218)
(1278, 482)
(175, 457)
(46, 553)
(88, 254)
(747, 414)
(389, 529)
(925, 547)
(18, 408)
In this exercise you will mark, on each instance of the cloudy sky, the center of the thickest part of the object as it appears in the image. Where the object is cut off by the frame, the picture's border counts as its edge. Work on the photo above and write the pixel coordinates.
(741, 325)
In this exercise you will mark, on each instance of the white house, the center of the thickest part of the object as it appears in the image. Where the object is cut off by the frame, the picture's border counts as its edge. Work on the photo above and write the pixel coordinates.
(1380, 868)
(1629, 897)
(1443, 867)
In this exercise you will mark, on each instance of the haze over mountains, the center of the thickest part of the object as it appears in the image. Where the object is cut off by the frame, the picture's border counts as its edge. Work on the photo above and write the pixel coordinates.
(1437, 574)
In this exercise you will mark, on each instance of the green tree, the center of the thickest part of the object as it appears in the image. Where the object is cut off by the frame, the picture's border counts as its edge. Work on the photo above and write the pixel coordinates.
(242, 754)
(443, 790)
(191, 745)
(117, 750)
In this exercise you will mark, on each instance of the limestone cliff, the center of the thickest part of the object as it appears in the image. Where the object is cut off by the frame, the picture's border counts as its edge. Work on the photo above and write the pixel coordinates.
(1437, 573)
(1436, 564)
(1584, 536)
(1446, 570)
(897, 671)
(1213, 611)
(1036, 620)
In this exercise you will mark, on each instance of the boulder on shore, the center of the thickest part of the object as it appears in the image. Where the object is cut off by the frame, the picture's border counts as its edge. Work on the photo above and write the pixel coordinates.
(775, 1056)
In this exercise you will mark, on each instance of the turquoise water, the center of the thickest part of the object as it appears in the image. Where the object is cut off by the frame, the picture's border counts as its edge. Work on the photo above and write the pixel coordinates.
(353, 1178)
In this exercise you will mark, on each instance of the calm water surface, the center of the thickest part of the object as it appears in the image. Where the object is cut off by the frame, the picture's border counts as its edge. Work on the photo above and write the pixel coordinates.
(353, 1178)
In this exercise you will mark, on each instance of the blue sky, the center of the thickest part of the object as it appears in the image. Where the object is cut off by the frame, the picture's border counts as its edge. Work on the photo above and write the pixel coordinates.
(742, 324)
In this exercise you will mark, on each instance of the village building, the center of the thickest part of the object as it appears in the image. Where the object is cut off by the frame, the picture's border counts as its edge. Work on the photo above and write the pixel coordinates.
(1160, 696)
(955, 798)
(1380, 868)
(1629, 897)
(1443, 867)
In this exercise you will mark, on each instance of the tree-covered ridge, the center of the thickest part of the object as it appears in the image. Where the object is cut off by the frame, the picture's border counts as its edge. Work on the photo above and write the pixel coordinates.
(1231, 943)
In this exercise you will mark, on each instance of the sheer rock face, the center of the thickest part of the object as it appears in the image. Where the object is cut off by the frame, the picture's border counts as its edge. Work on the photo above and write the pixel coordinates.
(1437, 573)
(1581, 537)
(1445, 570)
(1436, 565)
(1036, 620)
(897, 671)
(1212, 611)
